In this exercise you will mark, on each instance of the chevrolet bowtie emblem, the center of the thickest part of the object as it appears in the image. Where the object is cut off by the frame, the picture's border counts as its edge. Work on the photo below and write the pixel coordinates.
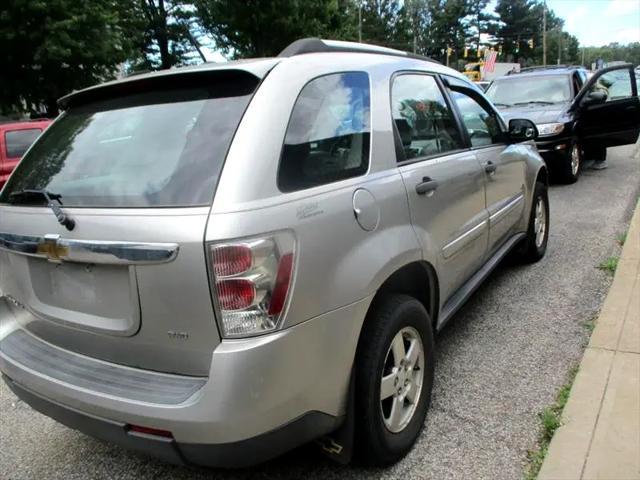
(50, 247)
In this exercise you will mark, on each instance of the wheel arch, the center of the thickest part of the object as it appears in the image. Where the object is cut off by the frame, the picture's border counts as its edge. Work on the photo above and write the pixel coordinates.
(417, 279)
(543, 175)
(536, 170)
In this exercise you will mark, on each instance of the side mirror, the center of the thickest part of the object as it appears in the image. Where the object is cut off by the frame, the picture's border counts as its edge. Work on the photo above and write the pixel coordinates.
(593, 98)
(522, 130)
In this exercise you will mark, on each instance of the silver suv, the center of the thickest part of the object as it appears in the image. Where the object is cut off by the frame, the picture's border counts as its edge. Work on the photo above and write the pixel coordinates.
(216, 264)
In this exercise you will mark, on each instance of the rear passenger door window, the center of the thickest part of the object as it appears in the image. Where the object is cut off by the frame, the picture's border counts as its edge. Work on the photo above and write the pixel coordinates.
(424, 121)
(482, 125)
(328, 135)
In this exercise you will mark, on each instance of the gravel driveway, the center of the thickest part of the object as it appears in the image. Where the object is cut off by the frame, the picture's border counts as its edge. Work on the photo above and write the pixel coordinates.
(499, 363)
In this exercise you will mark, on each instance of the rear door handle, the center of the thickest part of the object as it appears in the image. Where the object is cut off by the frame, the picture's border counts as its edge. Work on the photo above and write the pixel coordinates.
(426, 186)
(490, 167)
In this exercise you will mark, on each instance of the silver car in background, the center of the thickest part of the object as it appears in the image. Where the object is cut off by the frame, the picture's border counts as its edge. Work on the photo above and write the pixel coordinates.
(216, 264)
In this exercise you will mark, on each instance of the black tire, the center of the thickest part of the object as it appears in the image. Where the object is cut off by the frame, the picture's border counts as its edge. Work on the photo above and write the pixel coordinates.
(567, 172)
(532, 251)
(376, 445)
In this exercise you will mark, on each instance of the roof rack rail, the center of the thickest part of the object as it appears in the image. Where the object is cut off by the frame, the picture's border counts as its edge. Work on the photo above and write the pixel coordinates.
(541, 67)
(318, 45)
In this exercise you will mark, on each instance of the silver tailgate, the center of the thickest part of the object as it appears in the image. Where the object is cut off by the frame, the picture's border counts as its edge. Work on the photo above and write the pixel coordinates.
(126, 286)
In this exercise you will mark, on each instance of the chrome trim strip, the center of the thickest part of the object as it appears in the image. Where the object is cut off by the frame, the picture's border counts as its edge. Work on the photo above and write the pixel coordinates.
(459, 243)
(57, 249)
(496, 216)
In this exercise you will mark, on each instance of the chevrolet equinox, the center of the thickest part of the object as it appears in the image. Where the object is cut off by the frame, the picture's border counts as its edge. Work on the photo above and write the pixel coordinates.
(216, 264)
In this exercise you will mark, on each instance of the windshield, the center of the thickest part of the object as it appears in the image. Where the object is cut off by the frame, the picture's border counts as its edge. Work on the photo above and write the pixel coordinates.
(161, 148)
(510, 91)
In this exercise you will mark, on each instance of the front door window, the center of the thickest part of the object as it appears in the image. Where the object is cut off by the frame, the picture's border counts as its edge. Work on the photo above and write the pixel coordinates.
(424, 121)
(615, 84)
(482, 126)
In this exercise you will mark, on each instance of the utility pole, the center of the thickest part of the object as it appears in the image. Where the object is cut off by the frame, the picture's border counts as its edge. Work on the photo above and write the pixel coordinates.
(478, 27)
(582, 63)
(448, 53)
(559, 44)
(414, 24)
(544, 34)
(359, 22)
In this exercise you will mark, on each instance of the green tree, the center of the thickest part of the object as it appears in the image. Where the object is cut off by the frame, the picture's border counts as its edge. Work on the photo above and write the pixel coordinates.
(51, 47)
(384, 23)
(480, 22)
(261, 28)
(613, 52)
(448, 28)
(415, 21)
(161, 31)
(519, 24)
(561, 46)
(521, 32)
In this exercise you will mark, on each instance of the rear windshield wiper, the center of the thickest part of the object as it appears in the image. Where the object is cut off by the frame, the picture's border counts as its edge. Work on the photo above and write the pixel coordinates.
(68, 222)
(498, 104)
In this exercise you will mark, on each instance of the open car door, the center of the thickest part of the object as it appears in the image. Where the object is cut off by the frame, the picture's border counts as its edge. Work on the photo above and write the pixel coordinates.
(608, 108)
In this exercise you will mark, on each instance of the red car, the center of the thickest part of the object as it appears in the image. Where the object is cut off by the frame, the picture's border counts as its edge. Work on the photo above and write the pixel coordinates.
(15, 139)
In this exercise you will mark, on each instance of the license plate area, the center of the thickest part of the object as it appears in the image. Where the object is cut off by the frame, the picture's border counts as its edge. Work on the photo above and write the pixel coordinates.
(100, 298)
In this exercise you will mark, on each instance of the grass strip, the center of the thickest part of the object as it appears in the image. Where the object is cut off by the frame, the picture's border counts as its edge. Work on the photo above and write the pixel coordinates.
(550, 420)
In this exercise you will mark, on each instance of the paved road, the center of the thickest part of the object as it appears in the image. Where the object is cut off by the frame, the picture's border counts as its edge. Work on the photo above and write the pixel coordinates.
(499, 363)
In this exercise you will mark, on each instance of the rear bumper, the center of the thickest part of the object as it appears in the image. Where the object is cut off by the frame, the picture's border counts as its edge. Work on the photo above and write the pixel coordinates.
(263, 395)
(230, 455)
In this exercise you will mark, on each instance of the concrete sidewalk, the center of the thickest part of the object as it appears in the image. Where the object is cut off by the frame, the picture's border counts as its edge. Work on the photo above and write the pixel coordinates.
(600, 435)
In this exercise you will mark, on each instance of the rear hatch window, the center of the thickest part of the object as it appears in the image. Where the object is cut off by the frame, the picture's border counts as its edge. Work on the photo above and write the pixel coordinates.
(159, 148)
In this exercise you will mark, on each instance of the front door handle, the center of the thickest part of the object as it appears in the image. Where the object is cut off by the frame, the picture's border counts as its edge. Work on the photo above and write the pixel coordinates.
(490, 167)
(426, 186)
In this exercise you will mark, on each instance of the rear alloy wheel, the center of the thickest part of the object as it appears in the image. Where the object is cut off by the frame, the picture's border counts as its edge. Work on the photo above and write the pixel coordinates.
(569, 170)
(402, 377)
(540, 222)
(394, 377)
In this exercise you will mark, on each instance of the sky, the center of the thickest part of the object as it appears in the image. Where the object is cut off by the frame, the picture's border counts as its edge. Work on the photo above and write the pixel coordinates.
(598, 22)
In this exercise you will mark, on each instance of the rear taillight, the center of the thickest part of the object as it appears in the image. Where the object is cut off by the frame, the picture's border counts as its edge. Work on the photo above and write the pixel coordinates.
(251, 282)
(231, 260)
(235, 293)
